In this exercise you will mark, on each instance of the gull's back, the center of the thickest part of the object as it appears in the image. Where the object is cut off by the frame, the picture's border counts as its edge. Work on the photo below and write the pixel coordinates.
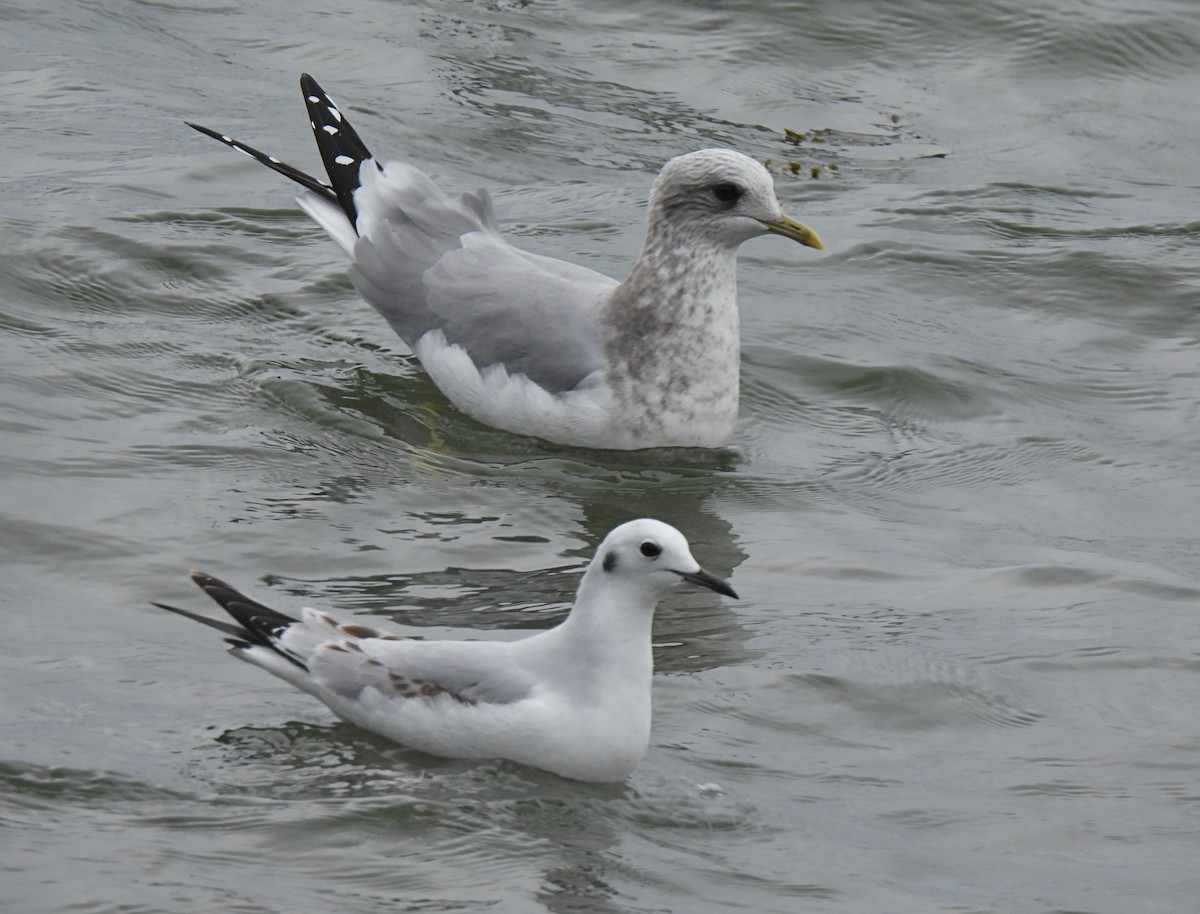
(430, 263)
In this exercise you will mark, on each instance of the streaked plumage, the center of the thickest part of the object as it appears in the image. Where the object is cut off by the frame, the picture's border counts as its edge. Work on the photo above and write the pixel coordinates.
(536, 345)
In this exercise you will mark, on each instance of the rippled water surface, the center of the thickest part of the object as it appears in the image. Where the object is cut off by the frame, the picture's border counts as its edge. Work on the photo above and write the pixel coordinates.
(962, 507)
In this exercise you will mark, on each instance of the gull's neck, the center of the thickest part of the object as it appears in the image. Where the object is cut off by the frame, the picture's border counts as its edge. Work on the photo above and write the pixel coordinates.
(609, 628)
(672, 338)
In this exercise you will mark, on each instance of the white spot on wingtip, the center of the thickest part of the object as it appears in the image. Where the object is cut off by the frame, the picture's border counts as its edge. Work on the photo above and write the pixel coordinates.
(334, 111)
(344, 160)
(330, 129)
(314, 98)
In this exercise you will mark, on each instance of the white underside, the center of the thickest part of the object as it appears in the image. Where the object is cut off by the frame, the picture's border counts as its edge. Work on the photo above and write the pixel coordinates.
(537, 731)
(542, 730)
(597, 736)
(587, 416)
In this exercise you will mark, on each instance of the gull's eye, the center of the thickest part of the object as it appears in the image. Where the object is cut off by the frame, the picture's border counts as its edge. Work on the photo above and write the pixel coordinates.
(726, 192)
(651, 550)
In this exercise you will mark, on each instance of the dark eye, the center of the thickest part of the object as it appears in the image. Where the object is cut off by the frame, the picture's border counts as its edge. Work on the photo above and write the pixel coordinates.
(726, 192)
(650, 550)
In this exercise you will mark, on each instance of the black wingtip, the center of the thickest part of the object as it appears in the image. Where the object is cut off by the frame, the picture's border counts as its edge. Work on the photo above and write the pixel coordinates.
(295, 174)
(257, 624)
(221, 592)
(342, 150)
(235, 630)
(207, 132)
(261, 623)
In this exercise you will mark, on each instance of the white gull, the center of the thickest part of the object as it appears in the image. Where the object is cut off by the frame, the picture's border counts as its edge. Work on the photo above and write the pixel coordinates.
(573, 699)
(539, 346)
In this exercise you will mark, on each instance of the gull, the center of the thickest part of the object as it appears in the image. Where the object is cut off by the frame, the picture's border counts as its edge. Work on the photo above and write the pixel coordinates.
(573, 700)
(539, 346)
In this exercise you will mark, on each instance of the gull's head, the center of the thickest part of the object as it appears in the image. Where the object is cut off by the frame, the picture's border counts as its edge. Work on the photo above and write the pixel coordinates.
(723, 196)
(652, 557)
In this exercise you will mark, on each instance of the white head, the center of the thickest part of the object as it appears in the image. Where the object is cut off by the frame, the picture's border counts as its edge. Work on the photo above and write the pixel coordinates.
(651, 557)
(724, 196)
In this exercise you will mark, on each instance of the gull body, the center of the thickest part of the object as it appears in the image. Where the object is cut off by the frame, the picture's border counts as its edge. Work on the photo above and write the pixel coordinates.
(573, 699)
(539, 346)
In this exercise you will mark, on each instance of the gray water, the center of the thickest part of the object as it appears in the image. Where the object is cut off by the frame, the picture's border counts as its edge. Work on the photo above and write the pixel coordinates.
(962, 506)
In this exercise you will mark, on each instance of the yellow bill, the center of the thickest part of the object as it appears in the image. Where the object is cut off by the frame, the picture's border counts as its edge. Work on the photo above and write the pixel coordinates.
(797, 231)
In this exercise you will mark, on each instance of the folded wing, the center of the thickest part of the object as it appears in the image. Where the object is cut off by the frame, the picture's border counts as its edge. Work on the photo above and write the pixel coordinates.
(428, 262)
(333, 659)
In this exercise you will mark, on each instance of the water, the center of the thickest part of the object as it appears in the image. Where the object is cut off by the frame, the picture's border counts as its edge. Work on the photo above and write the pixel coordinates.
(961, 507)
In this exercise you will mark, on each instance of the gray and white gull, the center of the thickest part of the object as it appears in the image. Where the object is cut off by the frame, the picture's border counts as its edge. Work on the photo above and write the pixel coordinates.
(539, 346)
(573, 700)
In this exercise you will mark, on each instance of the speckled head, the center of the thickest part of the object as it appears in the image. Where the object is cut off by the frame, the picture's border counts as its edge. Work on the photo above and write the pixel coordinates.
(723, 197)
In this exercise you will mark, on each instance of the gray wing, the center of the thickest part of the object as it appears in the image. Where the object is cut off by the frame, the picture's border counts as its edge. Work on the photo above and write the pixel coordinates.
(427, 262)
(470, 672)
